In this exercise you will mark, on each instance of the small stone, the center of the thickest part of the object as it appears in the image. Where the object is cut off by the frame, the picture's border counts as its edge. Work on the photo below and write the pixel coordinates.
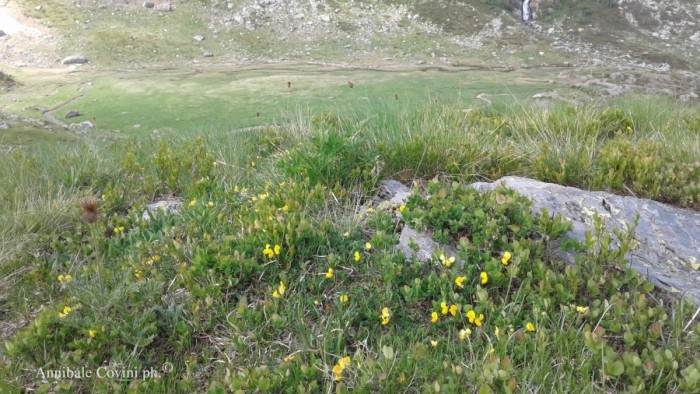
(165, 7)
(208, 54)
(74, 59)
(72, 114)
(198, 38)
(148, 4)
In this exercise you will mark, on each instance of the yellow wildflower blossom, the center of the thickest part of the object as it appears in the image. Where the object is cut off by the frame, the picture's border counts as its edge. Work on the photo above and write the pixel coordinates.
(474, 319)
(268, 251)
(506, 258)
(484, 278)
(447, 262)
(582, 309)
(433, 343)
(460, 281)
(368, 246)
(66, 311)
(193, 203)
(65, 278)
(434, 317)
(530, 327)
(291, 357)
(278, 249)
(464, 333)
(329, 274)
(210, 204)
(386, 315)
(443, 308)
(92, 333)
(357, 256)
(401, 208)
(343, 298)
(339, 367)
(453, 310)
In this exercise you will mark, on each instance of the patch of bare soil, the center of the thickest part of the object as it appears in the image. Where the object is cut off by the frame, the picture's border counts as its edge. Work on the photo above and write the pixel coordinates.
(25, 43)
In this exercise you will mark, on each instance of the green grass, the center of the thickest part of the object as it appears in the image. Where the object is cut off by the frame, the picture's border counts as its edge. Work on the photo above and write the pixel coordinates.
(303, 186)
(178, 101)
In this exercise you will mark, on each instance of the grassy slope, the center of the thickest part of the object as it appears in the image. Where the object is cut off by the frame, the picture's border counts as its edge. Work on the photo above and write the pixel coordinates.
(215, 255)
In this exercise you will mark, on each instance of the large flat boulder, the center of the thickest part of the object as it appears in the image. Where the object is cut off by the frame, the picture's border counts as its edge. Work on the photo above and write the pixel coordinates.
(668, 238)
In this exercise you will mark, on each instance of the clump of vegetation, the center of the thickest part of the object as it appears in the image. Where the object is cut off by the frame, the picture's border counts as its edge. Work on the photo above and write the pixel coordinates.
(278, 273)
(6, 81)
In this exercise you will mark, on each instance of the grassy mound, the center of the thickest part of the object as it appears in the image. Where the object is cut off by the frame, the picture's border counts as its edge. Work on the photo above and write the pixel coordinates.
(279, 275)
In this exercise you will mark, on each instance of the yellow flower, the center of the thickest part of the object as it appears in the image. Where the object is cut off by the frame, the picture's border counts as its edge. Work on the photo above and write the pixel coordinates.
(433, 343)
(443, 307)
(65, 278)
(339, 367)
(484, 278)
(492, 351)
(281, 288)
(92, 333)
(268, 252)
(118, 230)
(582, 309)
(453, 310)
(434, 317)
(464, 333)
(329, 274)
(138, 274)
(357, 256)
(193, 203)
(401, 208)
(344, 362)
(275, 294)
(282, 185)
(156, 257)
(236, 189)
(471, 315)
(253, 198)
(386, 315)
(66, 311)
(210, 204)
(506, 258)
(316, 302)
(447, 262)
(460, 281)
(530, 327)
(368, 246)
(285, 208)
(252, 164)
(278, 249)
(291, 357)
(346, 234)
(629, 129)
(343, 298)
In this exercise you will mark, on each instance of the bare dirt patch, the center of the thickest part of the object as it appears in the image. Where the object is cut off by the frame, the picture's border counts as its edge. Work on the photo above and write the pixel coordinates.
(26, 43)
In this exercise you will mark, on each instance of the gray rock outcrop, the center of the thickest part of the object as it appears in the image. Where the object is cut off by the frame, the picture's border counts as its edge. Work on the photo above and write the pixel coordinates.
(74, 59)
(667, 250)
(72, 114)
(148, 4)
(668, 237)
(167, 206)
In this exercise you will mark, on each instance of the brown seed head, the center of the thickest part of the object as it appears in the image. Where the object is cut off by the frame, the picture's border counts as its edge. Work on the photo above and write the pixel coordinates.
(89, 207)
